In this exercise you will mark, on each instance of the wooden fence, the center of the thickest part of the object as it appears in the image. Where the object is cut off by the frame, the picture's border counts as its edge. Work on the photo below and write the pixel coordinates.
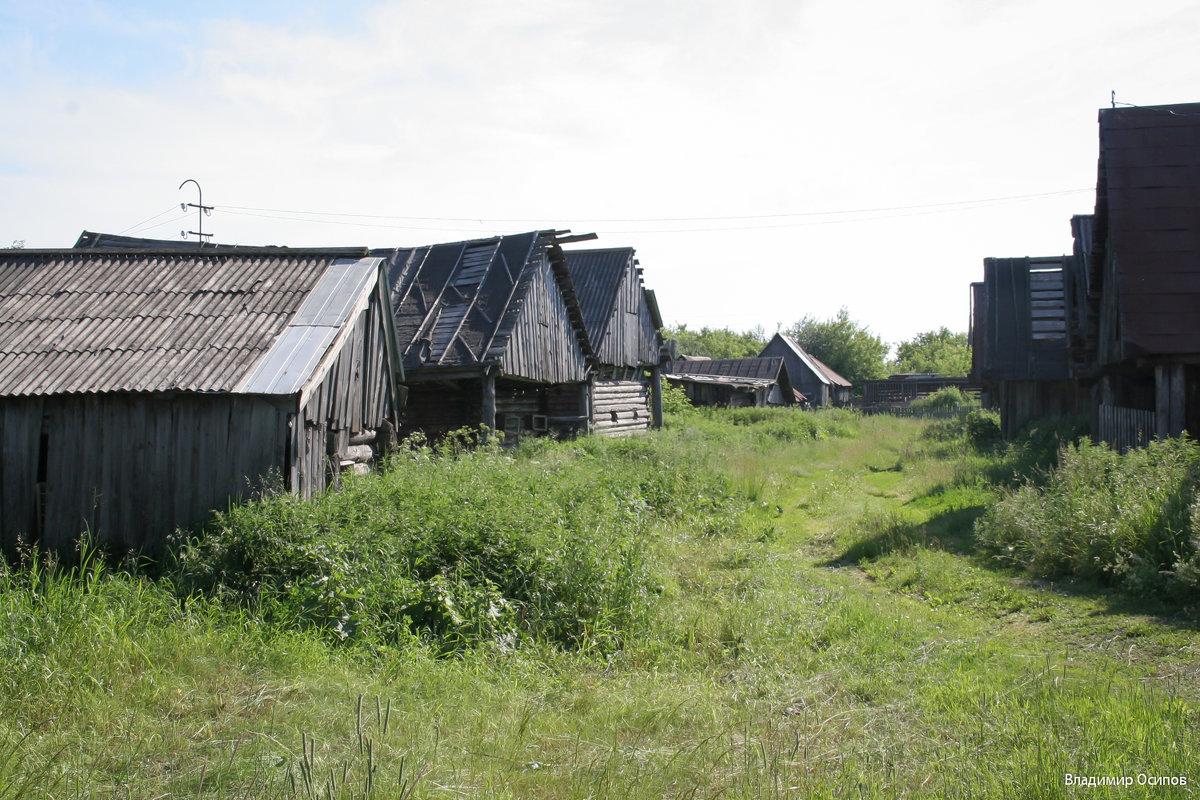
(930, 412)
(1123, 428)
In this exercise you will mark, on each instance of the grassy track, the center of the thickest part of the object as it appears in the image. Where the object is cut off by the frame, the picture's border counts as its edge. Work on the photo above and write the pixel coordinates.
(843, 640)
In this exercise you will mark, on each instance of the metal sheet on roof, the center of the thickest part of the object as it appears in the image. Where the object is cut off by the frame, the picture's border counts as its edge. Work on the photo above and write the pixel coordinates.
(293, 357)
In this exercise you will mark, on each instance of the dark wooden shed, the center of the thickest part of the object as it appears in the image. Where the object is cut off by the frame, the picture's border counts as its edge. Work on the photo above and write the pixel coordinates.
(140, 389)
(819, 384)
(492, 334)
(1141, 336)
(732, 382)
(1019, 340)
(623, 324)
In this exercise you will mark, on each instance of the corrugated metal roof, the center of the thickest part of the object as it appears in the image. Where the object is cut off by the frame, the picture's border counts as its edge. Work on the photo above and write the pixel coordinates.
(1146, 199)
(103, 321)
(767, 369)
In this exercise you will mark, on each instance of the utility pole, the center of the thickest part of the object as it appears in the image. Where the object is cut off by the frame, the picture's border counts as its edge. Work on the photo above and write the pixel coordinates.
(201, 211)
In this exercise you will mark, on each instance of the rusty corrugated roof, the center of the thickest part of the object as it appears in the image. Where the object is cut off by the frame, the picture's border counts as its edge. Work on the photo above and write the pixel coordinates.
(76, 321)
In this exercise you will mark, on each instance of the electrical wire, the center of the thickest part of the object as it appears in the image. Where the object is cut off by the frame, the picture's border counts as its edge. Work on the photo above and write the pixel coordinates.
(730, 218)
(150, 219)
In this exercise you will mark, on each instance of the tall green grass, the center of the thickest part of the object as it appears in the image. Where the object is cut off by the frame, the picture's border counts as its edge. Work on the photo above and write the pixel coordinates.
(458, 546)
(1129, 520)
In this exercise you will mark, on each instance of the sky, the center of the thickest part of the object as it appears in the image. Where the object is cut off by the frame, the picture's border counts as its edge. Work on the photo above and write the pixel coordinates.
(768, 159)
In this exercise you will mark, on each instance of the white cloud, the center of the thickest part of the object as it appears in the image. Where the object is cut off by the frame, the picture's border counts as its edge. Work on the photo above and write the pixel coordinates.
(573, 113)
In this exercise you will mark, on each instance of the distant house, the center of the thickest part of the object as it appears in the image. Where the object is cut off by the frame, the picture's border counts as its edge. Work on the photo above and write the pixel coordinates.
(819, 384)
(622, 321)
(1138, 334)
(1019, 340)
(732, 381)
(492, 334)
(139, 389)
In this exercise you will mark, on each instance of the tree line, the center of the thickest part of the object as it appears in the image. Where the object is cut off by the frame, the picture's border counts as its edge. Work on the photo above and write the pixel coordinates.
(846, 346)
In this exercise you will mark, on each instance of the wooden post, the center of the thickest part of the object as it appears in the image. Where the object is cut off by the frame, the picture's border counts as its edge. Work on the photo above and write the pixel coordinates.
(656, 398)
(585, 404)
(488, 419)
(1169, 405)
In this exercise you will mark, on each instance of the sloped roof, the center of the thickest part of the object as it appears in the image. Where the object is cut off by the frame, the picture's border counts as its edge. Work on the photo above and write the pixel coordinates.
(455, 302)
(76, 321)
(751, 369)
(1147, 193)
(597, 277)
(818, 368)
(608, 282)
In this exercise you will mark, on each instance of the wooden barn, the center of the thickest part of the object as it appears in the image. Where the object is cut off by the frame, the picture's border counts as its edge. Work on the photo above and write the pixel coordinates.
(819, 384)
(492, 334)
(1137, 332)
(140, 389)
(623, 322)
(732, 382)
(1019, 340)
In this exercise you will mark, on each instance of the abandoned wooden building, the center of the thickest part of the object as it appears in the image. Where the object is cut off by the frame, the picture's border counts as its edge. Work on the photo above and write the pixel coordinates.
(819, 384)
(492, 334)
(1019, 340)
(733, 382)
(1139, 329)
(141, 389)
(623, 321)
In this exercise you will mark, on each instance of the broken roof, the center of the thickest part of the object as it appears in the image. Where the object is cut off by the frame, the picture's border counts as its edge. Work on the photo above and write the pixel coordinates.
(458, 304)
(199, 320)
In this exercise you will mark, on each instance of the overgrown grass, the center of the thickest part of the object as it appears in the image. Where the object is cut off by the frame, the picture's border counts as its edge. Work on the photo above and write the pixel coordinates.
(1131, 520)
(457, 546)
(750, 656)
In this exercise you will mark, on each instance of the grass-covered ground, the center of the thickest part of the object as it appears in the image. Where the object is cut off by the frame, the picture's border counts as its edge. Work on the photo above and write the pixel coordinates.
(745, 605)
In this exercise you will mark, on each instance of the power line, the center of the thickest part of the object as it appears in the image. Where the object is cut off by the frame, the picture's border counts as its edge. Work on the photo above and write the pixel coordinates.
(147, 220)
(634, 220)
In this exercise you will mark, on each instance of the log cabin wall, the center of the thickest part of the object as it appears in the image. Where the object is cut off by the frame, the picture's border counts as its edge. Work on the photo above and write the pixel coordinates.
(620, 407)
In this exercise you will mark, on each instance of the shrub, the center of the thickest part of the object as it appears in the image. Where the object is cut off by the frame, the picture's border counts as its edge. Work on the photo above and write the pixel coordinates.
(1129, 520)
(946, 397)
(463, 545)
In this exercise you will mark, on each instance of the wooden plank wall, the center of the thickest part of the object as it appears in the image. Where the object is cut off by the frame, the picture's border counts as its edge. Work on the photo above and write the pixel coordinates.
(1125, 428)
(620, 408)
(130, 468)
(630, 340)
(438, 408)
(542, 344)
(353, 397)
(1023, 401)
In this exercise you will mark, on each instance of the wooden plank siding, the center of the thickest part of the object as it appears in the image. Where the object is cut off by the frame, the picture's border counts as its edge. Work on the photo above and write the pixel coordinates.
(352, 397)
(129, 468)
(541, 343)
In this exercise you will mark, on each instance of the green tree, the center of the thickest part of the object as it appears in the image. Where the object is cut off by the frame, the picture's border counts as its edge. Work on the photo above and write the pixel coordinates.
(846, 347)
(717, 342)
(942, 351)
